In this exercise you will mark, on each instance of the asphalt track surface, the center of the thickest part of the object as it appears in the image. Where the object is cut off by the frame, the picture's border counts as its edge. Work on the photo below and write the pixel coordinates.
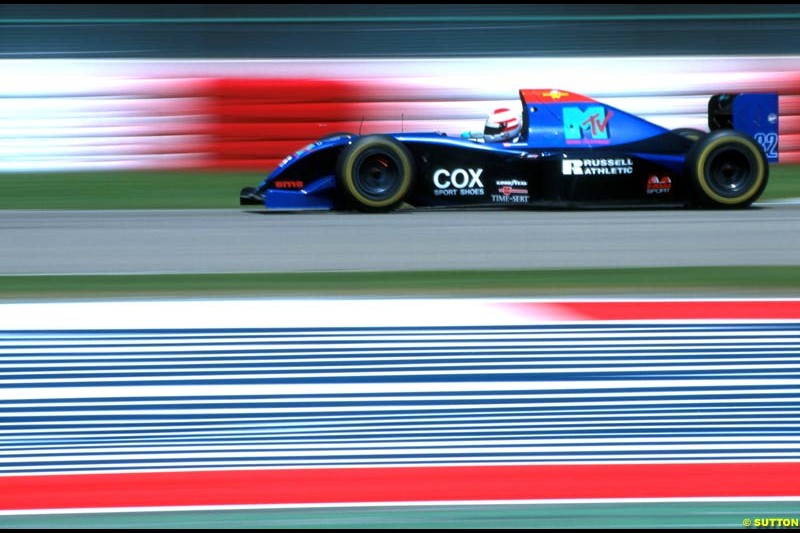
(241, 240)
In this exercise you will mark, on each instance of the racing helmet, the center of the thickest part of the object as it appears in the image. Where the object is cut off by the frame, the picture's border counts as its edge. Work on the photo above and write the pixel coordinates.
(502, 125)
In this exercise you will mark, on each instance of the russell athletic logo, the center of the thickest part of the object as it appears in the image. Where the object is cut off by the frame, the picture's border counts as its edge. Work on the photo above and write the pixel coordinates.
(596, 167)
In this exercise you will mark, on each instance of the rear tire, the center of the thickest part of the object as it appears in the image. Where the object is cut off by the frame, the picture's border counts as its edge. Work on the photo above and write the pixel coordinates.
(375, 173)
(728, 169)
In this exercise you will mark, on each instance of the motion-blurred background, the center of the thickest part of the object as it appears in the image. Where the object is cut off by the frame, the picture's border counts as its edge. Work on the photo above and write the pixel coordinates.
(100, 87)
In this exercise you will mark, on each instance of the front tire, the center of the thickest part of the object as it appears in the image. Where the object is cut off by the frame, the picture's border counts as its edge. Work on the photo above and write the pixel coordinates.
(728, 169)
(375, 173)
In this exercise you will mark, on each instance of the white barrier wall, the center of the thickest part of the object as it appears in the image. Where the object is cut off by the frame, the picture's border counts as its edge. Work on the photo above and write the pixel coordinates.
(117, 114)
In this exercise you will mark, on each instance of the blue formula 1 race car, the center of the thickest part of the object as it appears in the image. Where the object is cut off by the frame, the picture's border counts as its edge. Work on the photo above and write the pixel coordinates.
(565, 150)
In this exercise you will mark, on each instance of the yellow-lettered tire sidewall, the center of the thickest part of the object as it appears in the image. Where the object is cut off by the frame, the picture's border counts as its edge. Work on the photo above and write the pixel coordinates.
(698, 159)
(347, 168)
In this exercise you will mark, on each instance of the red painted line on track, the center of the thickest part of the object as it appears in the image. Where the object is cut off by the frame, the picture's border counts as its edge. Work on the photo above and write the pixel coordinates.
(403, 484)
(663, 310)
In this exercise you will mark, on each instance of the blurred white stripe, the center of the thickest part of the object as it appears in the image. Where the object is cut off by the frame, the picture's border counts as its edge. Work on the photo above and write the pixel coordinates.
(83, 114)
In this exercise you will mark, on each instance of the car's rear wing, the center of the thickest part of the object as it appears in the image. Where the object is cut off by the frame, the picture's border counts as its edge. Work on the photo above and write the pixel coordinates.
(755, 114)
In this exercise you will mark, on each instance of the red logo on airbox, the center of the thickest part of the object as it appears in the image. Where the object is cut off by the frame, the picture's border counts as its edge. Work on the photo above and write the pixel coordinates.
(656, 185)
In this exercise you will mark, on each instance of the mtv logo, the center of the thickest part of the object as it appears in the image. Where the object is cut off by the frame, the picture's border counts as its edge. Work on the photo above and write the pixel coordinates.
(588, 124)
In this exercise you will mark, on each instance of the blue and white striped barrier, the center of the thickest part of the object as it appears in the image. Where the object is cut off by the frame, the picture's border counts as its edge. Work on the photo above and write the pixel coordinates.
(131, 387)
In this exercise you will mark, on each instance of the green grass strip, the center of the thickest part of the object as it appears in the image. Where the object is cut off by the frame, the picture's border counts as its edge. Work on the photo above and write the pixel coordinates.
(658, 515)
(784, 182)
(686, 281)
(125, 190)
(195, 190)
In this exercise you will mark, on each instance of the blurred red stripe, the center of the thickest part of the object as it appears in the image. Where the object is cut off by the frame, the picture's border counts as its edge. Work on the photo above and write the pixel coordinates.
(260, 120)
(284, 90)
(667, 310)
(403, 484)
